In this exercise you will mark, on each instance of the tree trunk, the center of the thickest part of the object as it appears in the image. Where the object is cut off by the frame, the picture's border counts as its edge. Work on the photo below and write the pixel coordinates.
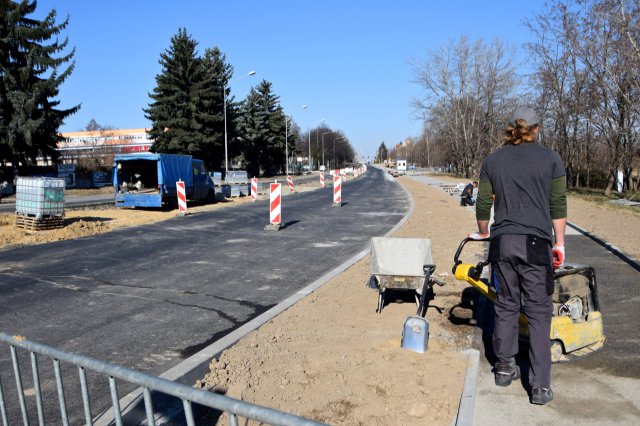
(610, 182)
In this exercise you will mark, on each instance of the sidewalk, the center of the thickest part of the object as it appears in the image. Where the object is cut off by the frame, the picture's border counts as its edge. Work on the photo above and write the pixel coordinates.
(581, 397)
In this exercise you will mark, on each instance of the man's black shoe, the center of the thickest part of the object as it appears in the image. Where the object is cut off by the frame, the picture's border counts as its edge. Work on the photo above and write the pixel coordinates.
(505, 373)
(541, 396)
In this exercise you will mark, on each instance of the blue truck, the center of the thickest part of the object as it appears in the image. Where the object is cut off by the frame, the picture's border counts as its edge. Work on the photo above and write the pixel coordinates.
(149, 179)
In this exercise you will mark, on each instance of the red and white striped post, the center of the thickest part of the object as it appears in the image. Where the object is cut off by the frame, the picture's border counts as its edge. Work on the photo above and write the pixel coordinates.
(337, 191)
(254, 189)
(343, 172)
(275, 199)
(290, 182)
(321, 179)
(182, 198)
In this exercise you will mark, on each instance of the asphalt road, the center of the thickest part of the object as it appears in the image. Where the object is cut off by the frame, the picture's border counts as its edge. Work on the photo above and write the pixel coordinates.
(150, 296)
(69, 202)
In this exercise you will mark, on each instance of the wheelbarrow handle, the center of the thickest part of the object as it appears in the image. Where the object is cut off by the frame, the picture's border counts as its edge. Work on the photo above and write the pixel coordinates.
(441, 283)
(428, 271)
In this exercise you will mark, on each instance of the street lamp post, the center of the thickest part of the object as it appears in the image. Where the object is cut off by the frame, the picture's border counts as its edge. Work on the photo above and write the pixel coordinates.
(309, 157)
(321, 121)
(325, 133)
(286, 146)
(224, 103)
(334, 150)
(286, 141)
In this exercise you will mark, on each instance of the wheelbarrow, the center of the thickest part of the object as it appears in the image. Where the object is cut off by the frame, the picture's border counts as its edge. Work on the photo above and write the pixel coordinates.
(403, 264)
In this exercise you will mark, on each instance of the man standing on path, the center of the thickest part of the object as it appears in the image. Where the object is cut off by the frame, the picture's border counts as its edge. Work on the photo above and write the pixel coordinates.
(529, 186)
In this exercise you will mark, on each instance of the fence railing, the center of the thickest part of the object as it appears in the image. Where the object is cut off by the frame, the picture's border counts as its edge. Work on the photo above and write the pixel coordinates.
(189, 395)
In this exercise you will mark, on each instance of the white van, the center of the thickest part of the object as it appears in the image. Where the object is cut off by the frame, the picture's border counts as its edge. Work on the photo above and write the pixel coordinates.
(402, 166)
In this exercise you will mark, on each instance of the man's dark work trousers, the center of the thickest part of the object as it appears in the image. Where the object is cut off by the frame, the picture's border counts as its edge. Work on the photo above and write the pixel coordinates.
(522, 271)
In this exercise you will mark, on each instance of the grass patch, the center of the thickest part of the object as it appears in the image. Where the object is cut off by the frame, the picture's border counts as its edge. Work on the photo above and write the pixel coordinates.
(597, 196)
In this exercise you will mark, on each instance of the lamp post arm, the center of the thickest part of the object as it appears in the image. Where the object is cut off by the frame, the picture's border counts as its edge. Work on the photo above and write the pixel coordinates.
(286, 146)
(224, 107)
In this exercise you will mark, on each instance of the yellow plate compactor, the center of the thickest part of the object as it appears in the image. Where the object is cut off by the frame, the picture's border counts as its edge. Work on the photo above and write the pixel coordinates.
(576, 326)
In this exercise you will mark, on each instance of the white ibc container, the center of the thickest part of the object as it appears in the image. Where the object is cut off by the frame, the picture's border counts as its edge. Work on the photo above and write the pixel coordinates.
(40, 196)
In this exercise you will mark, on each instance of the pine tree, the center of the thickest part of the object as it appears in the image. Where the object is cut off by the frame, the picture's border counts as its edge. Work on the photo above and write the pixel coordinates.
(217, 73)
(30, 77)
(253, 123)
(179, 99)
(261, 124)
(382, 153)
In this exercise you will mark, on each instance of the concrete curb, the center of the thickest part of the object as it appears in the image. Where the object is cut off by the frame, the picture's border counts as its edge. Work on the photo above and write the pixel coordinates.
(468, 398)
(196, 366)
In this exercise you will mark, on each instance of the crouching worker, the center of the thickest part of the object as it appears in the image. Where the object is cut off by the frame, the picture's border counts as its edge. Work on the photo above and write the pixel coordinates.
(466, 198)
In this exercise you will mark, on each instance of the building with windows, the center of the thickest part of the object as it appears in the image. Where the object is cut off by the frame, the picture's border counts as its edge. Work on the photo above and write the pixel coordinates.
(103, 142)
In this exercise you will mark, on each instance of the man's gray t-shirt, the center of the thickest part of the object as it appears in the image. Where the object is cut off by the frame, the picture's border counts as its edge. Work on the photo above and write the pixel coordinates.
(521, 178)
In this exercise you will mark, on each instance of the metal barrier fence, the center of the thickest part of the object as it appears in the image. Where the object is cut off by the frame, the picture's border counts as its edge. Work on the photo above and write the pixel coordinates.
(149, 383)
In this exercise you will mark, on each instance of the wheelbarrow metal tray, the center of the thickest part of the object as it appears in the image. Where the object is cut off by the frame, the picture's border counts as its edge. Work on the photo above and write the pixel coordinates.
(399, 262)
(400, 282)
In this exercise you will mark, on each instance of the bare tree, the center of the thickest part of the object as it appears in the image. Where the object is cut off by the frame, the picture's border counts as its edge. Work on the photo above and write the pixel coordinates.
(607, 51)
(468, 86)
(95, 152)
(564, 83)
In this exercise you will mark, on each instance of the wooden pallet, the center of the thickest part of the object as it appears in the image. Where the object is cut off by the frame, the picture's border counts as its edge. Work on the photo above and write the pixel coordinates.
(32, 223)
(451, 189)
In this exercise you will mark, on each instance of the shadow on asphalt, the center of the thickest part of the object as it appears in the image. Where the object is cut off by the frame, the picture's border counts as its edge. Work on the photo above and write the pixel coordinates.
(290, 223)
(194, 349)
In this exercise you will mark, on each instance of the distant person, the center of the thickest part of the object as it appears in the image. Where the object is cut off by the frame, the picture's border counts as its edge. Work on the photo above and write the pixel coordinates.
(527, 182)
(466, 198)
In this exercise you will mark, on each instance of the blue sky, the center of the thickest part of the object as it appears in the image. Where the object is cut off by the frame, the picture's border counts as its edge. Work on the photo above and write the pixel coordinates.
(348, 61)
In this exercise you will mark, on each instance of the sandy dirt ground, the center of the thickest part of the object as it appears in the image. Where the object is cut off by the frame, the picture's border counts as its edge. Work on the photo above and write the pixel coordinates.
(331, 357)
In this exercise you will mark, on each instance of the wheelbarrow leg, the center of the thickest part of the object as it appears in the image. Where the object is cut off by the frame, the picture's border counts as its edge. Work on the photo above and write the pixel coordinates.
(380, 300)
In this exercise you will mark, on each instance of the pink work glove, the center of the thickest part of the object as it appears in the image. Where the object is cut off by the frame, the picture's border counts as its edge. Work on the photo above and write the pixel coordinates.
(558, 256)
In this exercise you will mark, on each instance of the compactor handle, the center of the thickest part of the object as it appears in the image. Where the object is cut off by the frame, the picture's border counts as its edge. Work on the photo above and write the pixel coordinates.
(456, 257)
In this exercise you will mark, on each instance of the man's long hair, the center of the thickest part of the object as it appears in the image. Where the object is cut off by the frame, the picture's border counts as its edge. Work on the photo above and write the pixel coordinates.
(519, 132)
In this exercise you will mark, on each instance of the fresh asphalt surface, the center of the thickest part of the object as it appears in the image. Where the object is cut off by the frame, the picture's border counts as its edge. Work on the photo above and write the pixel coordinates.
(151, 296)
